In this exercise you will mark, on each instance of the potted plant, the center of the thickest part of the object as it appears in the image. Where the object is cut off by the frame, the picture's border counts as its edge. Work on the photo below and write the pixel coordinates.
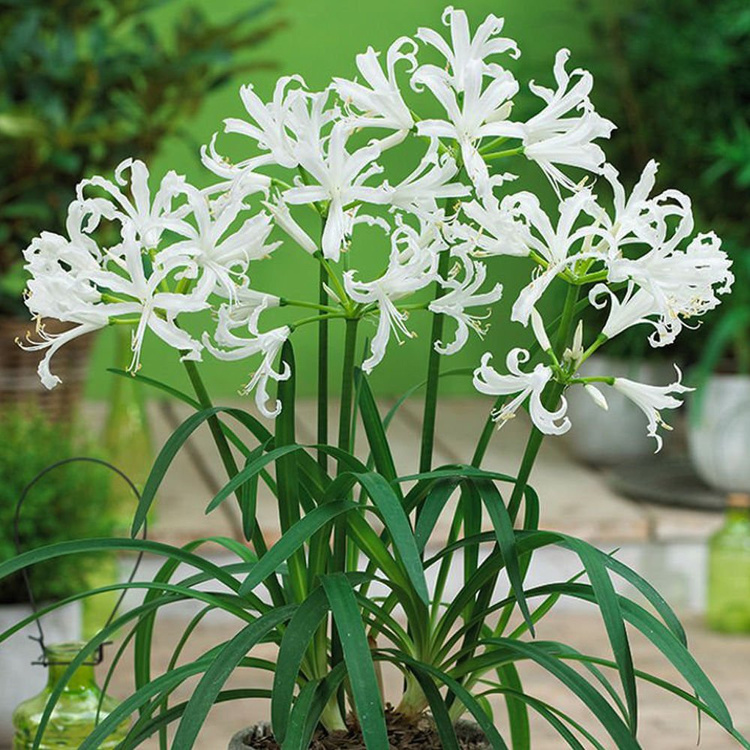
(82, 86)
(358, 578)
(664, 62)
(66, 504)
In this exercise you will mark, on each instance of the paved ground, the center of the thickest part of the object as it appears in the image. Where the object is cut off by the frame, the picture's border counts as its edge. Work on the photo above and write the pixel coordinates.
(668, 545)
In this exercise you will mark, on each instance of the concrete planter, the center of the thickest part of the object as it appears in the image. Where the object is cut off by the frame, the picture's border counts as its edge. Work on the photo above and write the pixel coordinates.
(618, 435)
(20, 680)
(465, 730)
(719, 432)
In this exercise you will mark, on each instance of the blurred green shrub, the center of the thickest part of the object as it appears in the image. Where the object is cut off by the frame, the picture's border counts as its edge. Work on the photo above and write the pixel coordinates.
(85, 84)
(676, 75)
(70, 502)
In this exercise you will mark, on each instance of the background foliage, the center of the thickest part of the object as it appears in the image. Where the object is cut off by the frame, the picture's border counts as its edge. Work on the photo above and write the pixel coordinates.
(85, 84)
(76, 492)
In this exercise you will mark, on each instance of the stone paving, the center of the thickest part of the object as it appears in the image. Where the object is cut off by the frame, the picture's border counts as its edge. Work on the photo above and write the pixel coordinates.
(666, 544)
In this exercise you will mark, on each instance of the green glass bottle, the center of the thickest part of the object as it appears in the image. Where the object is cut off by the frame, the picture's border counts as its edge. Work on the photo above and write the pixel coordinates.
(728, 606)
(75, 715)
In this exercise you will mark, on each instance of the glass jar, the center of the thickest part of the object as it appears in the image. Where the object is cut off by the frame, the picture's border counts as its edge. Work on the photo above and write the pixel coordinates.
(728, 605)
(75, 714)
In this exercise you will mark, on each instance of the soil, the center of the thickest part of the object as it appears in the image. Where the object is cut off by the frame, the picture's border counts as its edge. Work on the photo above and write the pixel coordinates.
(403, 734)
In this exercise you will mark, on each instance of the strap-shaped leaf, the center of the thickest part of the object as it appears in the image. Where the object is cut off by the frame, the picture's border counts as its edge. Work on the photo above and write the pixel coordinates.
(375, 430)
(358, 659)
(297, 637)
(506, 540)
(518, 715)
(292, 540)
(221, 667)
(170, 449)
(430, 509)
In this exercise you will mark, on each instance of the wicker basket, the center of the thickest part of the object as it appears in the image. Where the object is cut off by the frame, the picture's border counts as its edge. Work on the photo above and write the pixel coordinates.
(19, 381)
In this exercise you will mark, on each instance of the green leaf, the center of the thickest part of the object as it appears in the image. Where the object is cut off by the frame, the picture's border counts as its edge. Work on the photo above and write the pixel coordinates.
(358, 660)
(391, 511)
(506, 541)
(609, 606)
(292, 540)
(375, 430)
(297, 637)
(430, 509)
(221, 667)
(518, 715)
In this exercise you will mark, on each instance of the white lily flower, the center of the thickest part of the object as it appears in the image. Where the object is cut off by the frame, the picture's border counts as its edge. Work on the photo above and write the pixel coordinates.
(419, 192)
(270, 122)
(61, 287)
(146, 215)
(498, 231)
(411, 267)
(651, 400)
(554, 244)
(527, 386)
(464, 51)
(554, 137)
(283, 218)
(340, 178)
(380, 102)
(125, 276)
(221, 254)
(480, 112)
(245, 313)
(240, 178)
(463, 294)
(664, 220)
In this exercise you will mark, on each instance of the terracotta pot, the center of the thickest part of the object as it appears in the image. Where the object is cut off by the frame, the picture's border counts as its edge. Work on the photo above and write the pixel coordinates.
(19, 381)
(465, 730)
(719, 432)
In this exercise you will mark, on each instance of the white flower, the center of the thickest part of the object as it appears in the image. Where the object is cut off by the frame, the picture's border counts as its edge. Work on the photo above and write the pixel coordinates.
(557, 246)
(667, 288)
(239, 179)
(283, 218)
(222, 254)
(465, 51)
(381, 104)
(462, 294)
(478, 113)
(651, 399)
(412, 266)
(127, 278)
(270, 122)
(525, 385)
(340, 178)
(246, 314)
(147, 215)
(498, 232)
(664, 220)
(431, 181)
(540, 332)
(61, 288)
(555, 136)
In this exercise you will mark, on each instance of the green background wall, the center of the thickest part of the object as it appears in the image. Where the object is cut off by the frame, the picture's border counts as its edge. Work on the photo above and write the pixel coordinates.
(321, 40)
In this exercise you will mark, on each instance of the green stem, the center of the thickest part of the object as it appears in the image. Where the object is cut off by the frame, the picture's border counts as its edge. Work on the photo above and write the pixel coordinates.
(503, 154)
(339, 561)
(321, 305)
(230, 465)
(322, 374)
(433, 374)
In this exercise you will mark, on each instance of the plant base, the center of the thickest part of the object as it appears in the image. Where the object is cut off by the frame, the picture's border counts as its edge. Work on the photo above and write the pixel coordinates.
(403, 734)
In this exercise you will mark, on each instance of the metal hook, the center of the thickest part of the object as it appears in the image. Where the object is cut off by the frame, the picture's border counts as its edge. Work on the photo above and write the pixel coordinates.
(27, 581)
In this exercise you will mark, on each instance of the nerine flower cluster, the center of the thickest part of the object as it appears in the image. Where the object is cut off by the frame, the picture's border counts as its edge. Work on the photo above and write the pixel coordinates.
(154, 255)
